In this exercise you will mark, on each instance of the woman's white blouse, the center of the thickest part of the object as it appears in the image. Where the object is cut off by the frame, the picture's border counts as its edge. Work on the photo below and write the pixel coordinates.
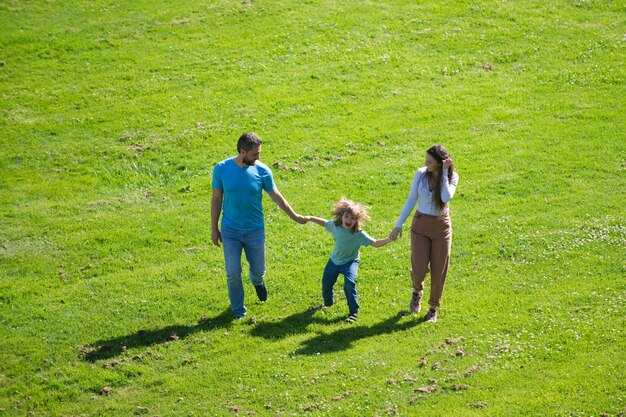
(420, 194)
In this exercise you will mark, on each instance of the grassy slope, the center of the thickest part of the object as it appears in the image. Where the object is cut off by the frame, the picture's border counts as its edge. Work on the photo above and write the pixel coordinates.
(113, 115)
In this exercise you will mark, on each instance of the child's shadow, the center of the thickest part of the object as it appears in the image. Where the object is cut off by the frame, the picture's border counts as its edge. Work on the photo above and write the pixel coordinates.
(342, 339)
(295, 324)
(105, 349)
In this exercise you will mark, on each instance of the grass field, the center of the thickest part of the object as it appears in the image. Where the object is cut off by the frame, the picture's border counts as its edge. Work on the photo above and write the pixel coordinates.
(113, 300)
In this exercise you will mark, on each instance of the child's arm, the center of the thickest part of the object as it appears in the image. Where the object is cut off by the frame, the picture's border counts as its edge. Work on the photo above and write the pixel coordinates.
(318, 220)
(381, 242)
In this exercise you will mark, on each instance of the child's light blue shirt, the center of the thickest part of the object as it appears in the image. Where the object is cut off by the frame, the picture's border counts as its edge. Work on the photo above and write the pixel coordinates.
(347, 244)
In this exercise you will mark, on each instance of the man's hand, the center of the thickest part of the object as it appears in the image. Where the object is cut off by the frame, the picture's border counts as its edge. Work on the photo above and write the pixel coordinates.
(282, 203)
(216, 237)
(300, 219)
(216, 210)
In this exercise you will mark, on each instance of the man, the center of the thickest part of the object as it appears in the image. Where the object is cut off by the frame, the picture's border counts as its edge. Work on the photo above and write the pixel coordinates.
(238, 183)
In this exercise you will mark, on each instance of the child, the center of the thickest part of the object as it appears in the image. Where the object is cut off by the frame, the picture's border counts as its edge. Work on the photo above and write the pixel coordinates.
(347, 231)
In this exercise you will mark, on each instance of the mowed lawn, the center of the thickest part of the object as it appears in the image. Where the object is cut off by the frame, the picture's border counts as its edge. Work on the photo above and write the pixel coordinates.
(113, 300)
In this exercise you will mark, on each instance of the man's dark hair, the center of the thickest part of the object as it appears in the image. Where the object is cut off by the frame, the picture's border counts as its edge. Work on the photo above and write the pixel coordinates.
(247, 141)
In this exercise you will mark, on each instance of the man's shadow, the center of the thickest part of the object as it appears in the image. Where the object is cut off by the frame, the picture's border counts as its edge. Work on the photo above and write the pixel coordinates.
(295, 324)
(105, 349)
(343, 339)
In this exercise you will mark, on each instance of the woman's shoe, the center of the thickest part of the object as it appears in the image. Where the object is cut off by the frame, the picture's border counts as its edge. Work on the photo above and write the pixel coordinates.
(431, 316)
(416, 303)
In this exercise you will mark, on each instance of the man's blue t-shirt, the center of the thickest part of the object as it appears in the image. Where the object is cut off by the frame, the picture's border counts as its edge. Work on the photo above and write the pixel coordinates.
(242, 207)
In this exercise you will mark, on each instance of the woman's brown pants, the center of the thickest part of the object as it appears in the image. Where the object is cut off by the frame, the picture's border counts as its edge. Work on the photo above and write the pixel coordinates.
(431, 239)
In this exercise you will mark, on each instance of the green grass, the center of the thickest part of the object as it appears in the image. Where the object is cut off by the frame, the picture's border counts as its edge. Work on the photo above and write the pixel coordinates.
(113, 299)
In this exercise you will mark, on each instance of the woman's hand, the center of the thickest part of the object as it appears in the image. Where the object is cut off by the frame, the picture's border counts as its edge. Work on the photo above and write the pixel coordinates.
(395, 233)
(446, 163)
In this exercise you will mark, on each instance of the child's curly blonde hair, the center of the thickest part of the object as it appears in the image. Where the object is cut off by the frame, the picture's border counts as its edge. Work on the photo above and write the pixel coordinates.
(359, 211)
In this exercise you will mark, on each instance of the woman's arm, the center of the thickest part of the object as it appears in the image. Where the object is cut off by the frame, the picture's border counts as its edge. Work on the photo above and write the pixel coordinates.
(318, 220)
(448, 187)
(408, 207)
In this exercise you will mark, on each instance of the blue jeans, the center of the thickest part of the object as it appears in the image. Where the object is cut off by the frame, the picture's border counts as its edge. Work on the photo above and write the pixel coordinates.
(253, 244)
(331, 273)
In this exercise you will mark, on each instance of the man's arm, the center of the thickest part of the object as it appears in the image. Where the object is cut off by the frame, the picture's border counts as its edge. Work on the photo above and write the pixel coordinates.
(282, 203)
(216, 210)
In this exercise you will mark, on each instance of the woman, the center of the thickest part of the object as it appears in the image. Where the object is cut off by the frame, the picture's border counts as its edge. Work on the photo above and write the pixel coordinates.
(431, 230)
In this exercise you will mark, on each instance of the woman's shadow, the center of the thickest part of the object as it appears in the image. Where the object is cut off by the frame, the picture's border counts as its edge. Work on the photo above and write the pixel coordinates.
(343, 339)
(106, 349)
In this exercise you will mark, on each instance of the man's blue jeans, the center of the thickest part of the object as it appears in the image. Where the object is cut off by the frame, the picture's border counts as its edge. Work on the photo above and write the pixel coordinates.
(331, 274)
(253, 244)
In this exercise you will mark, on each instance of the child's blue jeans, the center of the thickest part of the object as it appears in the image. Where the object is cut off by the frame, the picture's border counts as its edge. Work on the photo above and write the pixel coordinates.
(331, 273)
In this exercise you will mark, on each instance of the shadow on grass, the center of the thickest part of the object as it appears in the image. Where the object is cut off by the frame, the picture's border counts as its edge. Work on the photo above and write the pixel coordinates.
(106, 349)
(295, 324)
(343, 339)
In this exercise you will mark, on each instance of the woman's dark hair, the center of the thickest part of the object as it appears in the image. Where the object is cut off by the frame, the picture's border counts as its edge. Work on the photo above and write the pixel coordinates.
(247, 141)
(439, 153)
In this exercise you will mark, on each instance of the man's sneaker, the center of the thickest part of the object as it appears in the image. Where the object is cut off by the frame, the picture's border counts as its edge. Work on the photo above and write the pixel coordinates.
(351, 318)
(239, 316)
(416, 303)
(261, 292)
(431, 316)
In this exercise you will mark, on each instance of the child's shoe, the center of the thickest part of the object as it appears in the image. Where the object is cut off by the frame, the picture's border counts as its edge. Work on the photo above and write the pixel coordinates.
(351, 318)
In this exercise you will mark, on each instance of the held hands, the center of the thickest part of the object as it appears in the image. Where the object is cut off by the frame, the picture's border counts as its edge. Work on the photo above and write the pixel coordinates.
(216, 236)
(395, 233)
(301, 219)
